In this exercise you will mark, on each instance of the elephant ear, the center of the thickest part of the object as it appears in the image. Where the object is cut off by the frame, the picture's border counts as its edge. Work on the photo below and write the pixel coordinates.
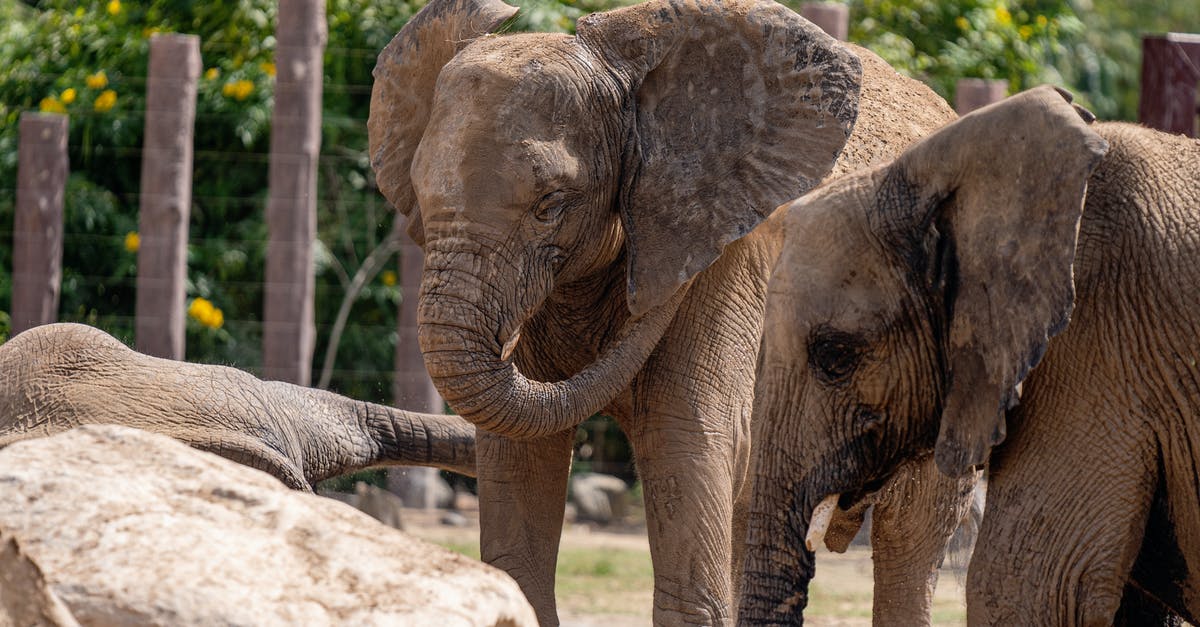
(738, 106)
(1003, 187)
(405, 75)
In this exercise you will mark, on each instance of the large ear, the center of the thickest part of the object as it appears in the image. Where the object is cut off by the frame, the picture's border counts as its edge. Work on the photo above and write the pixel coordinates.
(1003, 187)
(405, 75)
(739, 105)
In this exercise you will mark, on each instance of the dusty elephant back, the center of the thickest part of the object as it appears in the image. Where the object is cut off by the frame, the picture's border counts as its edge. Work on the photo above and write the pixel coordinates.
(57, 377)
(893, 112)
(50, 355)
(1141, 219)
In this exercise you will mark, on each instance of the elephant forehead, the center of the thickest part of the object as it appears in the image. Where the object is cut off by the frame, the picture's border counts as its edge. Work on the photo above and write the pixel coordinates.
(832, 269)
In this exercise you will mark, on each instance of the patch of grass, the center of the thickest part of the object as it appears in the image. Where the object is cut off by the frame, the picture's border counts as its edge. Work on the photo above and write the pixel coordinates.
(604, 580)
(464, 548)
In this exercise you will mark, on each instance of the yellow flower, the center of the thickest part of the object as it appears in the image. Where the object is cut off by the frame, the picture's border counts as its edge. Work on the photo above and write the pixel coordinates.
(203, 311)
(50, 104)
(267, 67)
(79, 12)
(962, 23)
(97, 81)
(1003, 16)
(1025, 31)
(212, 74)
(133, 241)
(1041, 21)
(67, 96)
(113, 7)
(105, 101)
(238, 90)
(388, 278)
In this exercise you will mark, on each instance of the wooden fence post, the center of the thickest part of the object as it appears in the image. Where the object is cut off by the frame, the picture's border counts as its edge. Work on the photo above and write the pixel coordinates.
(412, 388)
(166, 194)
(975, 93)
(1170, 75)
(38, 223)
(288, 325)
(833, 18)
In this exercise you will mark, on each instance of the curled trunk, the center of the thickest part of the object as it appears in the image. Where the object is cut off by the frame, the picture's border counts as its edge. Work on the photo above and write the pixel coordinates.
(465, 360)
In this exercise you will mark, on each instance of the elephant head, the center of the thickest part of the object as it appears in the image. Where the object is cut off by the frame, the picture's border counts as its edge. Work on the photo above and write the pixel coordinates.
(643, 145)
(910, 301)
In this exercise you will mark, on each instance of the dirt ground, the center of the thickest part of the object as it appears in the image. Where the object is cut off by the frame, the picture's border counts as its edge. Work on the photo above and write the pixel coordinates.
(604, 576)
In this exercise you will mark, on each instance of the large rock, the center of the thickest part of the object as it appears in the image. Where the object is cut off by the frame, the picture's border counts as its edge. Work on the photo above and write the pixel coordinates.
(599, 498)
(132, 528)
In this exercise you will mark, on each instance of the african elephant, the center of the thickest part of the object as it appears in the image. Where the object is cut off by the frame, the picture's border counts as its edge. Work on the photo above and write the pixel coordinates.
(907, 313)
(59, 376)
(590, 212)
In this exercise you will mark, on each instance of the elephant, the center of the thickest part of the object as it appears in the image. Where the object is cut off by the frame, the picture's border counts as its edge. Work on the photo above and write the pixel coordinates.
(56, 377)
(1017, 291)
(596, 213)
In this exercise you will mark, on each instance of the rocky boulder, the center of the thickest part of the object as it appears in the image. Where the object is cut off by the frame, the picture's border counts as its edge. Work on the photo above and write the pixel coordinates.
(599, 498)
(113, 526)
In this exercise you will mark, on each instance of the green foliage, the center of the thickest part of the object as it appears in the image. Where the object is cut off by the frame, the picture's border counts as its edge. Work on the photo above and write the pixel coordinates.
(941, 42)
(63, 56)
(1103, 62)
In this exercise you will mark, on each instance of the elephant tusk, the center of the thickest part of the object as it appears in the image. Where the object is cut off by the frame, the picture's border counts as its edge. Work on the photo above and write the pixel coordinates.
(510, 345)
(819, 524)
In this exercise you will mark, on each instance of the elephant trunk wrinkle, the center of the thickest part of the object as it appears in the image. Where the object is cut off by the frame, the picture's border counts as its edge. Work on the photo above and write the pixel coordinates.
(778, 567)
(406, 437)
(469, 368)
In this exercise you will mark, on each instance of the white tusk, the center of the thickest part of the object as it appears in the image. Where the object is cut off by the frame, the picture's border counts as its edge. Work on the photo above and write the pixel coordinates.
(821, 516)
(510, 345)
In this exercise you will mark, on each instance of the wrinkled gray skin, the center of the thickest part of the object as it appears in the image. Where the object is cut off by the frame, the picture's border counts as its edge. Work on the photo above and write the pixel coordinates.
(583, 204)
(59, 376)
(909, 309)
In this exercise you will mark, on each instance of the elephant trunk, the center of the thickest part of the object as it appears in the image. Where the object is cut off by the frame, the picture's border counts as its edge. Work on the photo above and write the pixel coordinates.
(418, 439)
(777, 568)
(471, 365)
(339, 435)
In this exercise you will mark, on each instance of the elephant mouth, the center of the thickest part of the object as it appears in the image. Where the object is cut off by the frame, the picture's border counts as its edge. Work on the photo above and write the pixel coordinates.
(869, 490)
(851, 508)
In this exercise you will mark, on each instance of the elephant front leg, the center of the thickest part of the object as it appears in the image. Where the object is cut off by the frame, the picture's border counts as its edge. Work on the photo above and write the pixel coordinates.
(522, 485)
(688, 486)
(910, 528)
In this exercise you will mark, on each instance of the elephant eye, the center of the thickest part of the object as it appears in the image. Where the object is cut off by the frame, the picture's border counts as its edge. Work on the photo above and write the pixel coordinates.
(550, 207)
(834, 354)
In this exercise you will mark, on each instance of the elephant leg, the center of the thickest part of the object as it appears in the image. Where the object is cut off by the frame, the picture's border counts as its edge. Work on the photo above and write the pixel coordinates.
(522, 485)
(689, 510)
(911, 526)
(1068, 501)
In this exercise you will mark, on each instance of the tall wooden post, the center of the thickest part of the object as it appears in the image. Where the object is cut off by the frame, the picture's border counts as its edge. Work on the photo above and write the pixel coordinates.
(975, 93)
(166, 195)
(38, 223)
(833, 18)
(412, 388)
(288, 326)
(1170, 75)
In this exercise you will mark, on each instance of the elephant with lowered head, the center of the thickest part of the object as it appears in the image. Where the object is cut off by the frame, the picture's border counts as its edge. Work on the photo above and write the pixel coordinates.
(590, 209)
(59, 376)
(965, 296)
